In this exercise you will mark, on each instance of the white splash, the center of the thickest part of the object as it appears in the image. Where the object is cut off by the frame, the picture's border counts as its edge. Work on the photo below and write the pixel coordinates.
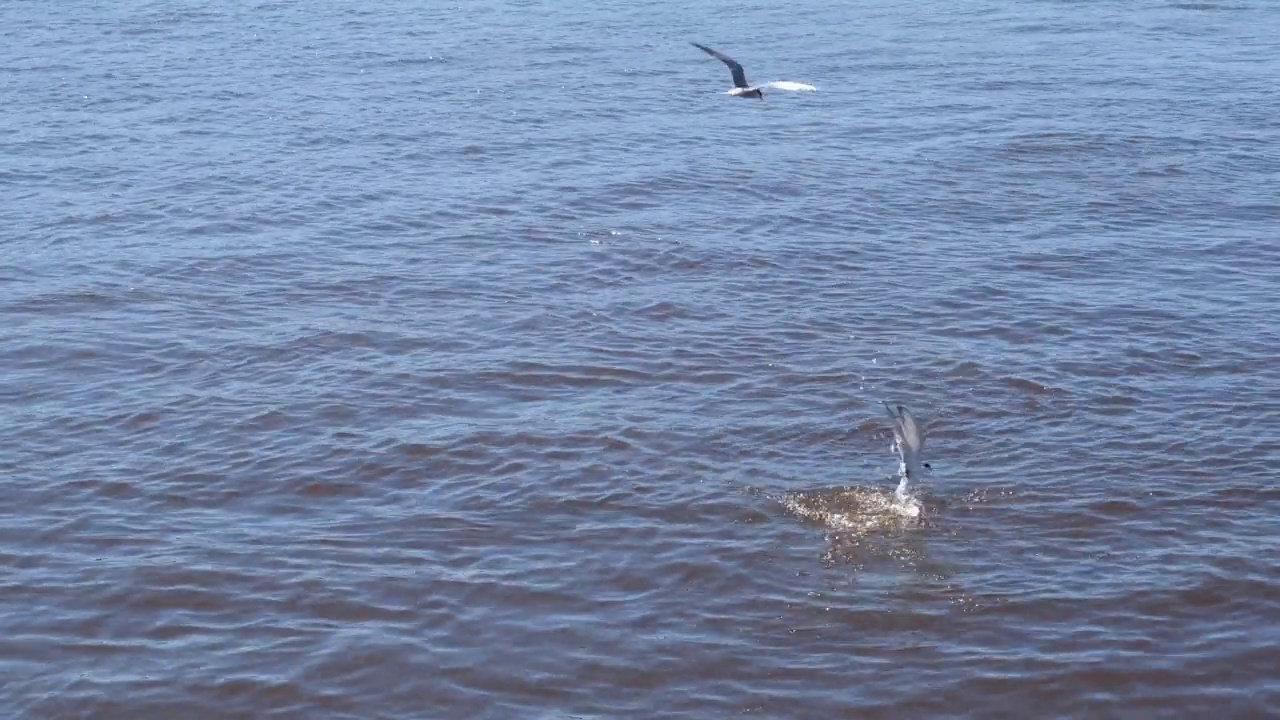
(788, 85)
(860, 510)
(905, 503)
(854, 510)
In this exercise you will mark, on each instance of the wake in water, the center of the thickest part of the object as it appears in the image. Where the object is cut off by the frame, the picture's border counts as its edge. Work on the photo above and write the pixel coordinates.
(860, 510)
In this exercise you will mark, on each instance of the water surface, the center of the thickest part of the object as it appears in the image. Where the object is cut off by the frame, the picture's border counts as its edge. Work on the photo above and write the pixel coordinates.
(421, 360)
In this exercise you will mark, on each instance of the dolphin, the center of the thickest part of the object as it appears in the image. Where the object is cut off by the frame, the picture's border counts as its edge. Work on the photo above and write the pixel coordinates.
(908, 439)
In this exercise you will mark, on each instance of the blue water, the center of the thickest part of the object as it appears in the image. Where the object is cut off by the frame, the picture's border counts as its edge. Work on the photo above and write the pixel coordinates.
(413, 360)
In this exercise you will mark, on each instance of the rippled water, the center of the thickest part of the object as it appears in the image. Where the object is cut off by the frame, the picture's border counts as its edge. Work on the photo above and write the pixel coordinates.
(410, 360)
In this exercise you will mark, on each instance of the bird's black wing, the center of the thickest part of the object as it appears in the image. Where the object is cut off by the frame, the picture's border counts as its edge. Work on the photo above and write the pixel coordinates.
(739, 75)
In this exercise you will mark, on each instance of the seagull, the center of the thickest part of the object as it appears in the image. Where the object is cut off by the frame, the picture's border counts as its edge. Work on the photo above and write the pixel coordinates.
(740, 86)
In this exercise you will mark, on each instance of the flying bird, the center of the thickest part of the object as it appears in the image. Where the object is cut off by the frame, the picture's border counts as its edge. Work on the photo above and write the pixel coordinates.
(740, 86)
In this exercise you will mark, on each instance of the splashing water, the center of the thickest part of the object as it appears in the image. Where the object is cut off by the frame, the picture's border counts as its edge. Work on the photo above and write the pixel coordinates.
(905, 503)
(863, 510)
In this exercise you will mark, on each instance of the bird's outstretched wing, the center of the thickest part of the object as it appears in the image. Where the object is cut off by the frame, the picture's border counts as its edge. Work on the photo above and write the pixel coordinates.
(739, 75)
